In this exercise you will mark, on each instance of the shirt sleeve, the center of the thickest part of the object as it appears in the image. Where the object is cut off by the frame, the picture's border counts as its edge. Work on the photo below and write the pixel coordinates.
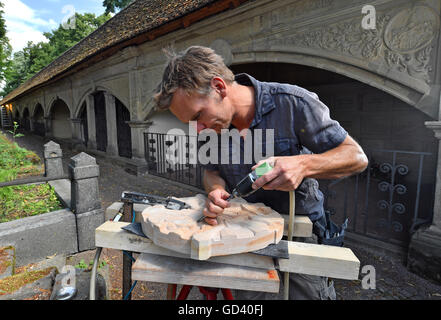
(314, 126)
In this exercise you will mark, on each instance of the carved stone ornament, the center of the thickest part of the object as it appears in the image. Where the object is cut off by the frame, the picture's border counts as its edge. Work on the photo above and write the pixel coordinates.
(404, 40)
(408, 37)
(242, 227)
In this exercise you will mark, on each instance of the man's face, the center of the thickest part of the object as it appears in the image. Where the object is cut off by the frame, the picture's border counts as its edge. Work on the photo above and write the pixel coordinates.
(210, 111)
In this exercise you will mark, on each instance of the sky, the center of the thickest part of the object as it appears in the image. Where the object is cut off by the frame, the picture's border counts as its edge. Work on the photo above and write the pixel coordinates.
(26, 20)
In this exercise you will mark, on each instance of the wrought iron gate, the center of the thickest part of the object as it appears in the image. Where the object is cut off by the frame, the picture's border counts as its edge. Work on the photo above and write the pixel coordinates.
(100, 121)
(157, 149)
(124, 135)
(39, 128)
(387, 201)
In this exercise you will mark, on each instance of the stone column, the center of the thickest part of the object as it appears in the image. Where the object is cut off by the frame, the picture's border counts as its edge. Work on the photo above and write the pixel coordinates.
(424, 254)
(112, 138)
(53, 164)
(31, 124)
(90, 105)
(138, 128)
(85, 200)
(48, 126)
(77, 132)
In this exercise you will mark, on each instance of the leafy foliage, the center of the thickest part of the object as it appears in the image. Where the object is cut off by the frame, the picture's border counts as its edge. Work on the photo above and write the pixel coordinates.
(112, 5)
(5, 47)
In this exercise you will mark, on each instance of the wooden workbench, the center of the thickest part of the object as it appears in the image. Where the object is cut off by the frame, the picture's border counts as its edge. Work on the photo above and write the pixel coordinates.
(246, 271)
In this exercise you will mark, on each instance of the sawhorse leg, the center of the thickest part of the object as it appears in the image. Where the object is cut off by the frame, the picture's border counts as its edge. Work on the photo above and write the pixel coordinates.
(209, 293)
(127, 258)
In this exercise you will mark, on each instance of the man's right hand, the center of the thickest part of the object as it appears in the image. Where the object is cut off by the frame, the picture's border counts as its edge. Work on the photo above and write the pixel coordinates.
(215, 205)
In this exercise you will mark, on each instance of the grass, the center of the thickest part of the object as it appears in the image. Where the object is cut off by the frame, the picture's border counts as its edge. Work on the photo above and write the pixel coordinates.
(15, 282)
(25, 200)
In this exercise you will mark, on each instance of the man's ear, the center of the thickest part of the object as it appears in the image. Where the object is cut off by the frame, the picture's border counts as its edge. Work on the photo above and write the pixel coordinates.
(219, 85)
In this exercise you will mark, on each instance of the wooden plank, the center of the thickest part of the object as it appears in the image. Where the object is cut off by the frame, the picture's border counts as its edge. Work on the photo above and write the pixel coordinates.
(321, 260)
(110, 235)
(156, 268)
(302, 224)
(313, 259)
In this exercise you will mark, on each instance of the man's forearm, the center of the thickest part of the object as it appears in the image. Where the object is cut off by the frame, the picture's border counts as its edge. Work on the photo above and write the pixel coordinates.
(212, 181)
(348, 158)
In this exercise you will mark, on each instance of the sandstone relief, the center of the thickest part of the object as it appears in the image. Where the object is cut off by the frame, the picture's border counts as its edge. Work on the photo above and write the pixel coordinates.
(243, 227)
(408, 37)
(403, 40)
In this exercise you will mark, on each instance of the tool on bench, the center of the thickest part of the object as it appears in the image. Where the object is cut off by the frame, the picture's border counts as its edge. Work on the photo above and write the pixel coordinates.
(129, 198)
(142, 198)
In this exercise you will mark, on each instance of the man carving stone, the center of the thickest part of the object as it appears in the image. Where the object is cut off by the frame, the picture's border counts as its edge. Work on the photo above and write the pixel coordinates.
(308, 144)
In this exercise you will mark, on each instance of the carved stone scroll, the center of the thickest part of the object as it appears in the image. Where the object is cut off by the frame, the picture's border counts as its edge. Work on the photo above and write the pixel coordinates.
(243, 227)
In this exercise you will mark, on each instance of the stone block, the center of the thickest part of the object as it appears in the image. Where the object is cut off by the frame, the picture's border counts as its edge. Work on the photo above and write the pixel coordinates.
(424, 255)
(87, 223)
(85, 195)
(53, 164)
(37, 237)
(84, 173)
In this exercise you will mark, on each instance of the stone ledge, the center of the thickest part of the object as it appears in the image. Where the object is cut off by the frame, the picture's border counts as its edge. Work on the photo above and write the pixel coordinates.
(87, 223)
(62, 189)
(37, 237)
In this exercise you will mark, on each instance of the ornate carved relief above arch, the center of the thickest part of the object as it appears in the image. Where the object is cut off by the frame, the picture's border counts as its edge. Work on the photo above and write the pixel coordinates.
(400, 48)
(408, 38)
(402, 92)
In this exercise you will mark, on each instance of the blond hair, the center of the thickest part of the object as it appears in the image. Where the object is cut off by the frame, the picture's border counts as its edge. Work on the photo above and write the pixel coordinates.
(191, 70)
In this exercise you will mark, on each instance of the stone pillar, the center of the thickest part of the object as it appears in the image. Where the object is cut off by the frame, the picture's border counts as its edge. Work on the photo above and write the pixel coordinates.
(85, 200)
(53, 164)
(77, 132)
(90, 105)
(424, 256)
(138, 128)
(112, 138)
(48, 126)
(31, 124)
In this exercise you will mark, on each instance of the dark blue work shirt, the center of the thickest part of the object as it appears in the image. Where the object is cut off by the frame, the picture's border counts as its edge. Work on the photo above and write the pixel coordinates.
(301, 124)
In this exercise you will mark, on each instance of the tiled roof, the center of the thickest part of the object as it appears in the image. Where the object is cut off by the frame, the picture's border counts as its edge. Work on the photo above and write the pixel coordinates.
(140, 18)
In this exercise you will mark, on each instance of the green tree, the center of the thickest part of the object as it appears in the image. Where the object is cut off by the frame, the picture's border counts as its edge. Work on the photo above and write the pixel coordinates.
(5, 47)
(25, 63)
(112, 5)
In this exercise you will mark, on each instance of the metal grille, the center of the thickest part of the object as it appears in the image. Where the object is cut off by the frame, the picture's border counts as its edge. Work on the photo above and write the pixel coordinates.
(39, 128)
(162, 151)
(389, 200)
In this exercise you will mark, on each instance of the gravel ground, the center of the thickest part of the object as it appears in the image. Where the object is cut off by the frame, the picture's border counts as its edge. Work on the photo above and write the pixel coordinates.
(392, 280)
